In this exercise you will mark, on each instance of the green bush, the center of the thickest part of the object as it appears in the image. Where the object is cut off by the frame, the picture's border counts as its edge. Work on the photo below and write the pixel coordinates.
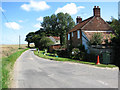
(78, 53)
(63, 53)
(74, 53)
(96, 39)
(45, 42)
(91, 57)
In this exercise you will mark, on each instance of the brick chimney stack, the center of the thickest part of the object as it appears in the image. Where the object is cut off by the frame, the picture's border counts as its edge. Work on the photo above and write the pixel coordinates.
(78, 19)
(96, 11)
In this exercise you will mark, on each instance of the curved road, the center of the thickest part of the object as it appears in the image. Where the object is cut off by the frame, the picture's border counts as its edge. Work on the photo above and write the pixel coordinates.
(30, 71)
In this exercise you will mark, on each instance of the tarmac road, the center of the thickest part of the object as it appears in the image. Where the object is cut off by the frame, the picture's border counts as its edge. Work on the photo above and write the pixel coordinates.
(30, 71)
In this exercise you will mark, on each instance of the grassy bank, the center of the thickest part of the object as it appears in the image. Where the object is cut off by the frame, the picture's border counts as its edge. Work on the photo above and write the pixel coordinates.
(7, 66)
(50, 56)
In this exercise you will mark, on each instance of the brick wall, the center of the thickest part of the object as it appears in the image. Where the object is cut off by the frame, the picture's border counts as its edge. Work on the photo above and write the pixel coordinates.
(75, 41)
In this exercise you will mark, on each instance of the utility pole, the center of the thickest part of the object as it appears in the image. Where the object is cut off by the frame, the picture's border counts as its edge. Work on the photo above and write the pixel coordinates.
(19, 41)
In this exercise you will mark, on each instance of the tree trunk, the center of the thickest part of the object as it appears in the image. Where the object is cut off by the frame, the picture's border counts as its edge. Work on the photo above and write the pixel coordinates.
(28, 44)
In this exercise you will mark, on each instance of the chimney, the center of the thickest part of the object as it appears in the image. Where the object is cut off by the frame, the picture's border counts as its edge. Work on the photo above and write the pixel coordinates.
(78, 19)
(96, 11)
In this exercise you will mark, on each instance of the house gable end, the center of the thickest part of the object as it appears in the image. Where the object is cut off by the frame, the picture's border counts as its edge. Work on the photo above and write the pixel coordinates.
(96, 24)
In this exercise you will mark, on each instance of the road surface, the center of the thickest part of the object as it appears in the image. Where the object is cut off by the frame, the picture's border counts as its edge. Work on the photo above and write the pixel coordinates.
(31, 71)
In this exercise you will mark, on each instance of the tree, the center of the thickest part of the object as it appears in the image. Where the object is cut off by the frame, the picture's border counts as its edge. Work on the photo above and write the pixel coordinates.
(29, 38)
(58, 25)
(38, 35)
(116, 41)
(96, 39)
(36, 39)
(45, 42)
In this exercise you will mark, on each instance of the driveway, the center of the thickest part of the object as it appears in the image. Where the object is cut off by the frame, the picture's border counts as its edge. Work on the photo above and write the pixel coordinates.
(31, 71)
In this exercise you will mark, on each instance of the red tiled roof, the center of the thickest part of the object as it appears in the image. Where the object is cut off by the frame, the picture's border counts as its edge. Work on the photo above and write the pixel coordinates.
(92, 23)
(80, 25)
(97, 23)
(56, 38)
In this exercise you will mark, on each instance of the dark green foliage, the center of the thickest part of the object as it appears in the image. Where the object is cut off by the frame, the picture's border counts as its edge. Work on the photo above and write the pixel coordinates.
(54, 25)
(45, 42)
(116, 41)
(79, 53)
(96, 39)
(63, 53)
(29, 38)
(58, 25)
(75, 53)
(91, 57)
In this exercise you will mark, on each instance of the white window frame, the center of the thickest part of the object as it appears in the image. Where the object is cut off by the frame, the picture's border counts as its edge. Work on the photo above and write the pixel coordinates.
(78, 34)
(68, 36)
(72, 34)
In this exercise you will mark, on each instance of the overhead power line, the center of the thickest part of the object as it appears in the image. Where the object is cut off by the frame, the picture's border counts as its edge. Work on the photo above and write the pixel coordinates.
(7, 21)
(10, 25)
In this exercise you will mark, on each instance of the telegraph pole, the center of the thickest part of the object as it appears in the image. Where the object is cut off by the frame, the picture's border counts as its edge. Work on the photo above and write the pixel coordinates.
(19, 41)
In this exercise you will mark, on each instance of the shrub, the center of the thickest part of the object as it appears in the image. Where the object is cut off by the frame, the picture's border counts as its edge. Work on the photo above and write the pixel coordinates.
(96, 39)
(45, 42)
(74, 53)
(91, 57)
(63, 53)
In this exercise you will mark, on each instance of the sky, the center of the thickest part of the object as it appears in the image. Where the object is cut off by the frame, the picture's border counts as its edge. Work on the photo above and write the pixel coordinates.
(24, 17)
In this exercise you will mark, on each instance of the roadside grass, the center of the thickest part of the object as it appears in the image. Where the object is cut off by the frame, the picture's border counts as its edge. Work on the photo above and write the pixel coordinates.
(7, 66)
(52, 57)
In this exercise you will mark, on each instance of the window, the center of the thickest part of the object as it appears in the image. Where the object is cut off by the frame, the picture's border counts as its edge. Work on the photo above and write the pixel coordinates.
(72, 34)
(68, 36)
(78, 34)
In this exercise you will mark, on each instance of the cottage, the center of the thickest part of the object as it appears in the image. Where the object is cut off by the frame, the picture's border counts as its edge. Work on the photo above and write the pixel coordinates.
(83, 31)
(56, 40)
(56, 45)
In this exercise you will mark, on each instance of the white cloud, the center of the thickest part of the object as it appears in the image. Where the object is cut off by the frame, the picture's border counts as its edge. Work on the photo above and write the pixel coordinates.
(36, 6)
(20, 21)
(69, 8)
(40, 19)
(13, 25)
(1, 9)
(38, 26)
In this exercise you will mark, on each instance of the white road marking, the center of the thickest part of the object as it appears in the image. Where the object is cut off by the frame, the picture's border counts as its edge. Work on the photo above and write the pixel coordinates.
(51, 75)
(102, 82)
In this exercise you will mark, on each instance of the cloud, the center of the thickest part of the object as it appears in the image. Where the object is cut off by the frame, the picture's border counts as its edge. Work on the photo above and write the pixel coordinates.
(40, 19)
(13, 25)
(1, 9)
(38, 26)
(35, 6)
(69, 8)
(20, 21)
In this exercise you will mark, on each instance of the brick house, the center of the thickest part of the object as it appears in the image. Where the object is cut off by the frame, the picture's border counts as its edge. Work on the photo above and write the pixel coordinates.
(56, 45)
(56, 40)
(83, 31)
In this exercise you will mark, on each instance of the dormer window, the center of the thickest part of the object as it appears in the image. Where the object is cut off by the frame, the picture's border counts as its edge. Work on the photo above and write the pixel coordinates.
(78, 34)
(72, 34)
(68, 36)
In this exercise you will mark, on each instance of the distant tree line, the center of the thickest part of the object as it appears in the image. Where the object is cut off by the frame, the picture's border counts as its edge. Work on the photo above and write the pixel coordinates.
(54, 25)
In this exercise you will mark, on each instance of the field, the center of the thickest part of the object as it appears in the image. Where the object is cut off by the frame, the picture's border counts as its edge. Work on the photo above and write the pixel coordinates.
(9, 54)
(7, 50)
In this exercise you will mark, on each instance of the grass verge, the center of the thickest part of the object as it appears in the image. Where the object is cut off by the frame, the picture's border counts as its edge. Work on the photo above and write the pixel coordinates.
(7, 66)
(40, 54)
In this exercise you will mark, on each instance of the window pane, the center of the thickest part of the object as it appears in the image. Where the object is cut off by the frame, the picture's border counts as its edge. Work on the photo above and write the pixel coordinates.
(68, 36)
(78, 34)
(72, 34)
